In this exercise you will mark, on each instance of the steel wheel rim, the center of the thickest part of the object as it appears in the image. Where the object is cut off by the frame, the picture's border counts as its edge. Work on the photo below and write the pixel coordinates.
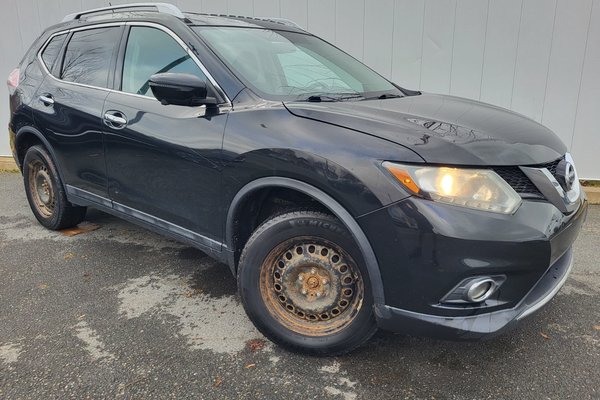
(41, 189)
(311, 286)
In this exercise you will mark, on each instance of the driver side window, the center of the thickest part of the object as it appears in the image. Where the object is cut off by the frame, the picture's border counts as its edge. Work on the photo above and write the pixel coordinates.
(151, 51)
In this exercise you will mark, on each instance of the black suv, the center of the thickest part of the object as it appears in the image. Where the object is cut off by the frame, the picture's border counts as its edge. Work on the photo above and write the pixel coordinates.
(341, 201)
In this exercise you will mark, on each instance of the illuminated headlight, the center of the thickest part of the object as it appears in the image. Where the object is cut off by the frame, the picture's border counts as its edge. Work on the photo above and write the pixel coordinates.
(480, 189)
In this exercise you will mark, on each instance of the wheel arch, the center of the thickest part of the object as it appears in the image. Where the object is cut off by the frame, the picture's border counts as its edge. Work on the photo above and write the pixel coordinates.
(27, 136)
(326, 201)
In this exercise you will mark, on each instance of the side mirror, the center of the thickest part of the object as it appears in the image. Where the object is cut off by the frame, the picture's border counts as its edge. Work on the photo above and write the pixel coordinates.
(181, 90)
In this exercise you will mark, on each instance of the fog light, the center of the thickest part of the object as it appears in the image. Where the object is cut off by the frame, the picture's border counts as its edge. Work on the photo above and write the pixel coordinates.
(474, 290)
(480, 290)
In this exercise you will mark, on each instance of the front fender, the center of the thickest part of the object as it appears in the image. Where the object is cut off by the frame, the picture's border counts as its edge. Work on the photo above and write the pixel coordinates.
(343, 163)
(330, 203)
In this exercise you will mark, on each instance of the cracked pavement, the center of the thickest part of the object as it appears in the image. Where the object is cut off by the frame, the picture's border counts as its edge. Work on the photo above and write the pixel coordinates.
(121, 312)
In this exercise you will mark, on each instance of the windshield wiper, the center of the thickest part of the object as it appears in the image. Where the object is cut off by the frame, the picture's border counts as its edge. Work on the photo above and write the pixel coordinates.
(389, 96)
(317, 98)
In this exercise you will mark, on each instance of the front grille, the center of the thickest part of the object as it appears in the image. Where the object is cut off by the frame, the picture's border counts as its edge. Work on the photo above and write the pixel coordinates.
(551, 166)
(521, 183)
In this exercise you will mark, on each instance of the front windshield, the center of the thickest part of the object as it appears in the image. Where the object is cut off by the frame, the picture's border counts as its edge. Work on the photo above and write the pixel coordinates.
(281, 65)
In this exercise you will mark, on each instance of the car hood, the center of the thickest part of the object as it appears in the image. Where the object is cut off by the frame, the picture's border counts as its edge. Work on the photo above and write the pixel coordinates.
(443, 129)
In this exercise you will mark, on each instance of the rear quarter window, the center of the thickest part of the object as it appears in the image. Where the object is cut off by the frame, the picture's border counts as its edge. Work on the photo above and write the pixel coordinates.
(89, 54)
(50, 52)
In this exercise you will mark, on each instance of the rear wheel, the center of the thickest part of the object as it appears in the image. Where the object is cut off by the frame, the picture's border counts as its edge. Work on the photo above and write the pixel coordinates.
(303, 284)
(45, 192)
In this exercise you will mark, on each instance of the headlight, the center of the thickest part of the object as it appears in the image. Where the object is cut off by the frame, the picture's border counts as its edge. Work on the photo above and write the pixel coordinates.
(480, 189)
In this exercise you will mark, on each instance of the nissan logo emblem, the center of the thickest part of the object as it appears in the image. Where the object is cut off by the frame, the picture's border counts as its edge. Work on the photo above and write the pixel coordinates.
(565, 174)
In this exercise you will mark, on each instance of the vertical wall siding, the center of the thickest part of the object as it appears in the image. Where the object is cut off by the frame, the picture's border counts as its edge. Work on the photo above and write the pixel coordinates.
(469, 45)
(585, 142)
(438, 43)
(349, 23)
(500, 51)
(538, 57)
(563, 82)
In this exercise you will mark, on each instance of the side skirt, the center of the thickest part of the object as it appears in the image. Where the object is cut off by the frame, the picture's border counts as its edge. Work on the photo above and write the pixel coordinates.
(213, 248)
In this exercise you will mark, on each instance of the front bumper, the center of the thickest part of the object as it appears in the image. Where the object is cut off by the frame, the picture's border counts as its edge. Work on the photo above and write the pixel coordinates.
(482, 325)
(425, 249)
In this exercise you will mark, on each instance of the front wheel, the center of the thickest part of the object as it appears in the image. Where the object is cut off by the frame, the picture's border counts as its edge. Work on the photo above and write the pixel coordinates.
(303, 284)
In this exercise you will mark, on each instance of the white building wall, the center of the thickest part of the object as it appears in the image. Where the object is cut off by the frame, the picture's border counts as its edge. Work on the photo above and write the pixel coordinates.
(537, 57)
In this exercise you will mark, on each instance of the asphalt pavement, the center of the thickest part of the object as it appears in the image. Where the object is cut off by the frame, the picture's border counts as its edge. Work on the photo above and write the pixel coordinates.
(120, 312)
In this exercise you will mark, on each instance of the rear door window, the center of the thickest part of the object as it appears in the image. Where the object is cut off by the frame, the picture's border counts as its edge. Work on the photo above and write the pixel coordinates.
(52, 49)
(89, 55)
(151, 51)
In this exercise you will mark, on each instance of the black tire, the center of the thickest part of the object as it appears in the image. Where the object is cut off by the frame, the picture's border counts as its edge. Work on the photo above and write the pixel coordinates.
(336, 330)
(45, 192)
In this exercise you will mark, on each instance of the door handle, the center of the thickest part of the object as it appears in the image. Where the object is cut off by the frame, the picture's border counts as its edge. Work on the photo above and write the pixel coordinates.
(115, 119)
(47, 99)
